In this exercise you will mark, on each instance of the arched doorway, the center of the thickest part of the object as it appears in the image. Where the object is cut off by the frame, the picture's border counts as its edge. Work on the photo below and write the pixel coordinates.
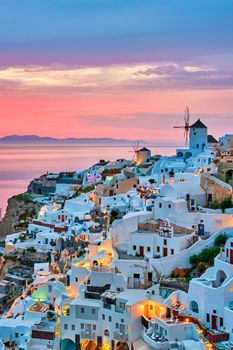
(188, 155)
(180, 154)
(229, 175)
(119, 345)
(88, 345)
(194, 306)
(67, 344)
(220, 278)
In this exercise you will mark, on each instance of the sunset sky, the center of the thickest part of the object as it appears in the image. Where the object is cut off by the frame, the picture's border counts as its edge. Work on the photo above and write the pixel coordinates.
(115, 68)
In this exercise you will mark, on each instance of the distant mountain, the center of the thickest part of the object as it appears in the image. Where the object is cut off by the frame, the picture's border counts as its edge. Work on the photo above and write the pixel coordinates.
(44, 139)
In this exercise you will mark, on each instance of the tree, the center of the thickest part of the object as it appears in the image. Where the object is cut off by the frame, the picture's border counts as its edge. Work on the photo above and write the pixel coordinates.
(226, 203)
(113, 215)
(151, 181)
(220, 240)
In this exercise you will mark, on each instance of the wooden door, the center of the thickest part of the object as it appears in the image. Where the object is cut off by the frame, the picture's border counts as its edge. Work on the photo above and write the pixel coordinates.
(231, 256)
(214, 322)
(164, 251)
(141, 251)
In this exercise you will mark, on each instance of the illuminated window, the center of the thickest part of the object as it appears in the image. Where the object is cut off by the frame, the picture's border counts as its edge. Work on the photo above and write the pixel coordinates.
(128, 309)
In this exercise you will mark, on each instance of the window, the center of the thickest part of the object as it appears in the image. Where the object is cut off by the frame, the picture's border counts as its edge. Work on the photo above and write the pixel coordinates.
(160, 205)
(214, 311)
(151, 307)
(73, 327)
(50, 288)
(117, 325)
(93, 311)
(169, 206)
(221, 322)
(148, 249)
(82, 310)
(82, 325)
(134, 247)
(122, 321)
(103, 316)
(65, 326)
(110, 318)
(208, 318)
(94, 327)
(121, 305)
(150, 275)
(76, 279)
(172, 251)
(158, 249)
(165, 242)
(127, 309)
(16, 335)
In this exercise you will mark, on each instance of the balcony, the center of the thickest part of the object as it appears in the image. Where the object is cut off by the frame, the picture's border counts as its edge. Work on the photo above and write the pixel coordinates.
(121, 337)
(87, 335)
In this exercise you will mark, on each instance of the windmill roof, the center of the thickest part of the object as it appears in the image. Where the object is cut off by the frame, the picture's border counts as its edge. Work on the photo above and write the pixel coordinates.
(144, 149)
(198, 124)
(212, 139)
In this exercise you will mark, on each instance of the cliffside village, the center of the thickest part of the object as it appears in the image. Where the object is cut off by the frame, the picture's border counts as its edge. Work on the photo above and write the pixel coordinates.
(138, 255)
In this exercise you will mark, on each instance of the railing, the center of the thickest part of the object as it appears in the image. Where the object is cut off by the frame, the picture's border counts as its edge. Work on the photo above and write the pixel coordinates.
(120, 336)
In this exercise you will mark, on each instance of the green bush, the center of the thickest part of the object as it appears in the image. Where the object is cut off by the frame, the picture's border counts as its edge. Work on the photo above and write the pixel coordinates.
(24, 197)
(220, 240)
(226, 203)
(151, 181)
(31, 250)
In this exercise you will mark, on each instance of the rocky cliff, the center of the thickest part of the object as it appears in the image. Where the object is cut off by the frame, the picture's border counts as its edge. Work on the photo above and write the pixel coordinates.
(20, 210)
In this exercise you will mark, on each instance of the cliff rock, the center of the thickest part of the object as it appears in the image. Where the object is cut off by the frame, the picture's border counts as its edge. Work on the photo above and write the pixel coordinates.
(20, 209)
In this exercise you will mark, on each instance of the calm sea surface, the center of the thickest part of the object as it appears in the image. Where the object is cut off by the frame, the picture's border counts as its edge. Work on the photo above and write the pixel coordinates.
(20, 163)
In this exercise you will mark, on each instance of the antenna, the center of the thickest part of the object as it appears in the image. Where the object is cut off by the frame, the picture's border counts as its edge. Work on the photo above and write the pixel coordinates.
(186, 125)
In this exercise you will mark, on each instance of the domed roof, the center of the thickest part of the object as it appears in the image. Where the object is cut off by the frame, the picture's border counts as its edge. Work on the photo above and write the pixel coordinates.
(168, 191)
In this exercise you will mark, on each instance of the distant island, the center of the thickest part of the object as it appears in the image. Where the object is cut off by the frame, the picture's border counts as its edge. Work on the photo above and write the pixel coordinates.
(46, 139)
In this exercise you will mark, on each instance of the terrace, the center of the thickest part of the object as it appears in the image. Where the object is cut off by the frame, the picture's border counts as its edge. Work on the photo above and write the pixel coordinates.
(39, 307)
